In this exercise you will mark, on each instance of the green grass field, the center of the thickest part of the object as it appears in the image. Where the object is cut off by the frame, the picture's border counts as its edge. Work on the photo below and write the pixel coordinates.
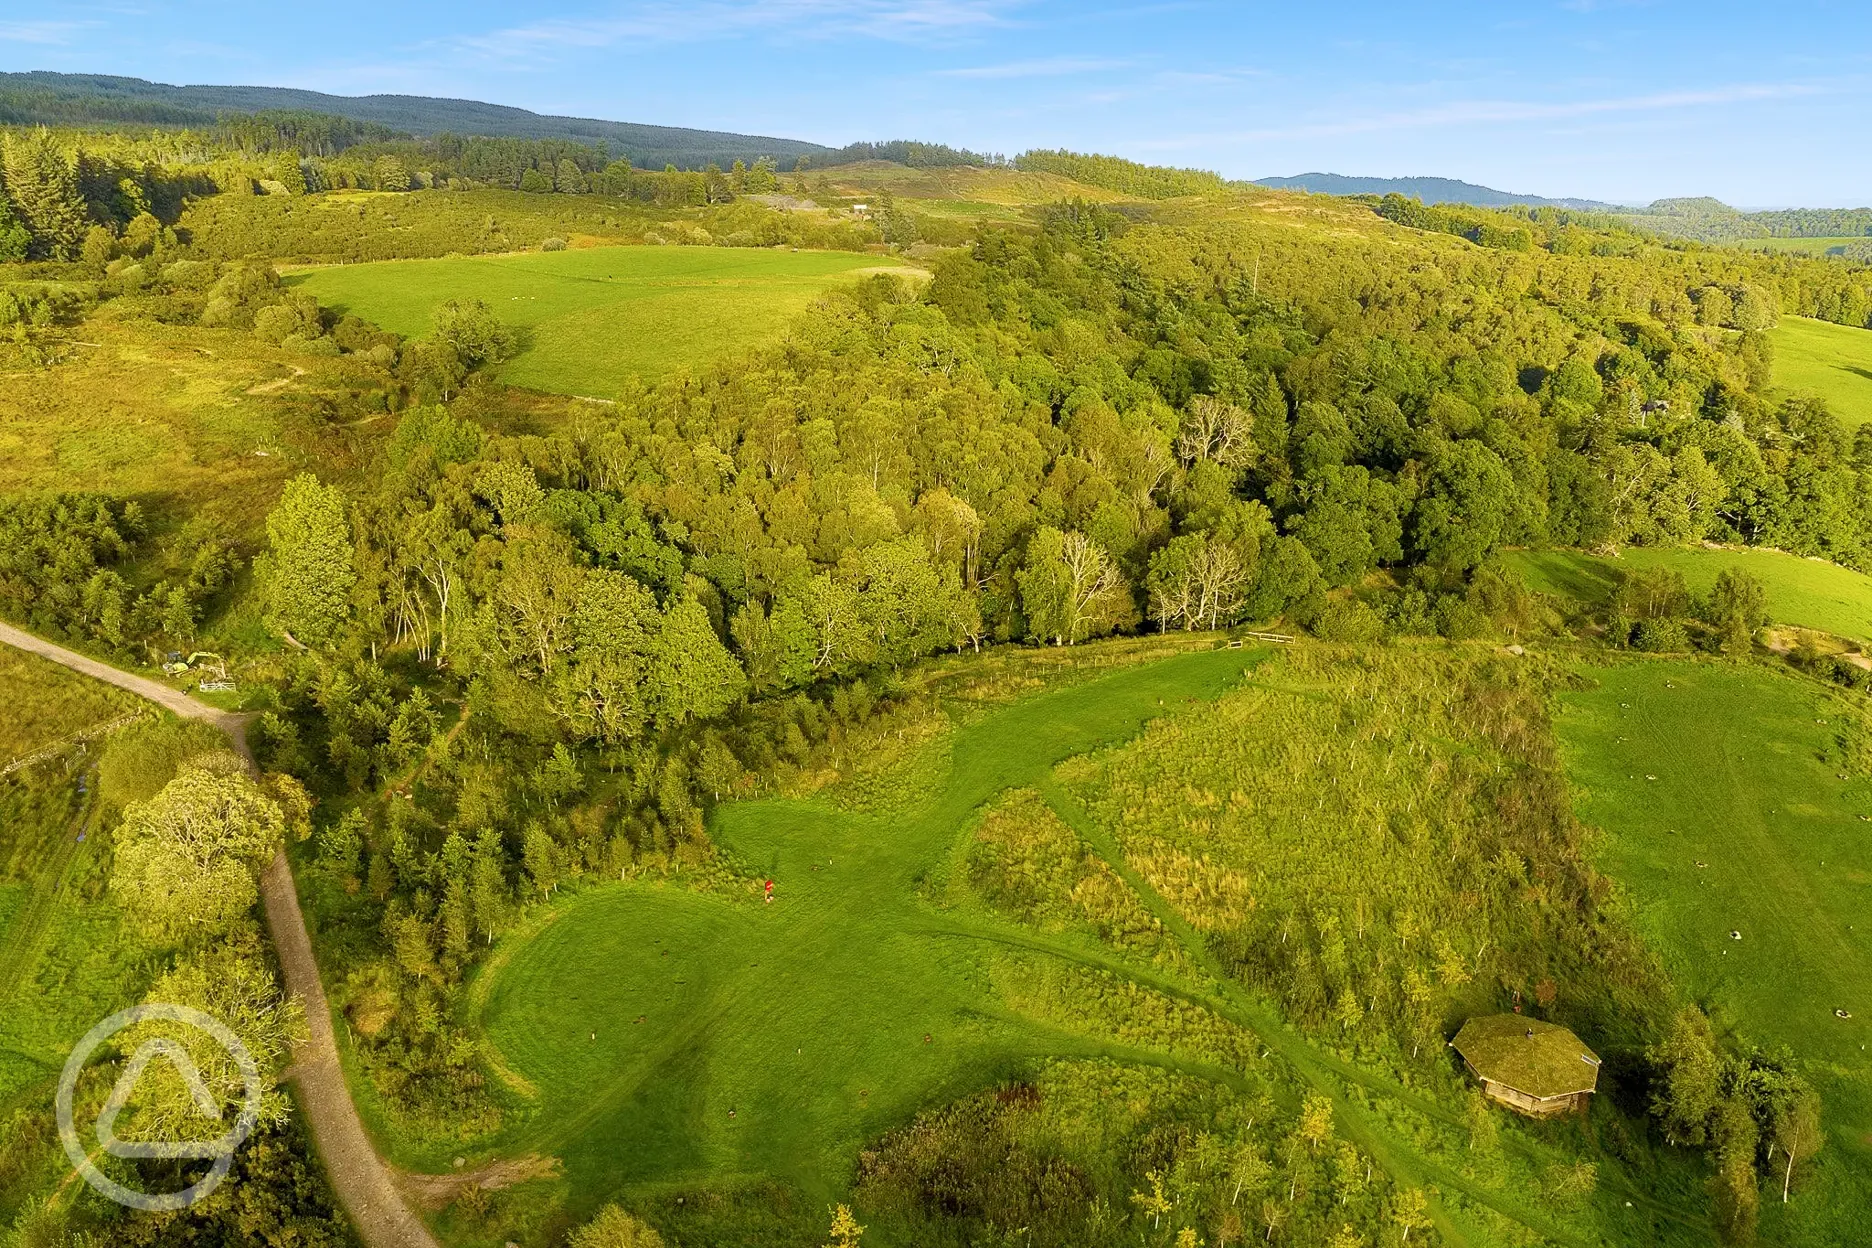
(776, 1038)
(1809, 593)
(658, 1040)
(1720, 790)
(591, 319)
(1832, 361)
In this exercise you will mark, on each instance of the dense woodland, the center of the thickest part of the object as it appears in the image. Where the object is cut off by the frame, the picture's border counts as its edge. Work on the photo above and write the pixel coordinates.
(1711, 220)
(104, 102)
(569, 643)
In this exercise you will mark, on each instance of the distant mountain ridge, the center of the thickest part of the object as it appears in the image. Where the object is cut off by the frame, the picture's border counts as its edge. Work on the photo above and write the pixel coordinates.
(1429, 190)
(1697, 217)
(78, 99)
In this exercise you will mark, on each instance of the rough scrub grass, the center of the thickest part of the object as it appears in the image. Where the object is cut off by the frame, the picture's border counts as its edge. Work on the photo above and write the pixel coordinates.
(188, 422)
(64, 960)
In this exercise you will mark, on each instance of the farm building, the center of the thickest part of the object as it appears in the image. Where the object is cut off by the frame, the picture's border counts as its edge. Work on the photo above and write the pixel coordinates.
(1534, 1067)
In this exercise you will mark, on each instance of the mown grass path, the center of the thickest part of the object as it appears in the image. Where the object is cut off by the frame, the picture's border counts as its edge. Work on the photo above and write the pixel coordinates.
(776, 1038)
(21, 939)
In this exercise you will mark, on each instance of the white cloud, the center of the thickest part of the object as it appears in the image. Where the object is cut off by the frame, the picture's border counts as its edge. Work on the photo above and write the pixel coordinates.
(1051, 67)
(663, 21)
(1494, 112)
(42, 33)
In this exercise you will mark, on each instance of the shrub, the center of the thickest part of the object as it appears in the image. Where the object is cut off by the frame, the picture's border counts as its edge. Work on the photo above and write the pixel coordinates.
(553, 244)
(1665, 636)
(1348, 620)
(1843, 671)
(614, 1228)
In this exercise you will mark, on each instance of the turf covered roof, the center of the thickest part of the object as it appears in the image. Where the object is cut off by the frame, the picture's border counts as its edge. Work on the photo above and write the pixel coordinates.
(1549, 1062)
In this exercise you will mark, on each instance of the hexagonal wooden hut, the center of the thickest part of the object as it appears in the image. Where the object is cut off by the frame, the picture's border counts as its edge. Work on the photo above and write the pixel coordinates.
(1536, 1068)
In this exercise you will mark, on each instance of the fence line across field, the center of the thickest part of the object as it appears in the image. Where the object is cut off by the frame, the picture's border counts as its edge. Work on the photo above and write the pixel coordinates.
(87, 734)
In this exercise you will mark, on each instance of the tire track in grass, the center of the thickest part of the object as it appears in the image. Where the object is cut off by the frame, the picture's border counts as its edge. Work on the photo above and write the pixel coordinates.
(25, 936)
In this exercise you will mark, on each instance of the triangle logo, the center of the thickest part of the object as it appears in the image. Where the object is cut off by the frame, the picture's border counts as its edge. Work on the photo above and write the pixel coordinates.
(205, 1103)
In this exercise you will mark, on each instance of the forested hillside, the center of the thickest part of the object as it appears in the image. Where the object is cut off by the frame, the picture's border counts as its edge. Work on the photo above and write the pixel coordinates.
(1712, 221)
(42, 98)
(515, 643)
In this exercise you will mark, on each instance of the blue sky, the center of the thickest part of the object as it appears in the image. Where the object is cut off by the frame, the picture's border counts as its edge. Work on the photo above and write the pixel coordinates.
(1761, 104)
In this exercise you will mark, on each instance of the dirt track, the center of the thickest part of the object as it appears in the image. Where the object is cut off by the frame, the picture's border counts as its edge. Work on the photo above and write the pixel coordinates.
(358, 1176)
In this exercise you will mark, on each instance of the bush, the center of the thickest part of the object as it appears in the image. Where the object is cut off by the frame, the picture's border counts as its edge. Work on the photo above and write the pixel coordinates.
(553, 244)
(614, 1228)
(1842, 671)
(1665, 636)
(1459, 619)
(296, 317)
(1348, 619)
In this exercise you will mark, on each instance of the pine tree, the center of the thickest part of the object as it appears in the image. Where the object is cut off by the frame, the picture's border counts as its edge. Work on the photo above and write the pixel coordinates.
(43, 189)
(15, 238)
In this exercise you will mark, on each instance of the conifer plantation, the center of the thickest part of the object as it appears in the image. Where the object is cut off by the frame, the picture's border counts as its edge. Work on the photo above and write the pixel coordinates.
(1031, 714)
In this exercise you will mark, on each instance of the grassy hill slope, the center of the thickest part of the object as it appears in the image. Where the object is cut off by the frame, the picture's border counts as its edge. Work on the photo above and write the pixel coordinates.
(1059, 930)
(64, 962)
(1735, 800)
(774, 1038)
(1811, 593)
(1832, 361)
(593, 318)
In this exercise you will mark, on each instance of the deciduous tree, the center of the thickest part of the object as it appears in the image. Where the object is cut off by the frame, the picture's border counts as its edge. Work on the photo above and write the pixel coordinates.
(186, 860)
(1070, 588)
(309, 568)
(692, 675)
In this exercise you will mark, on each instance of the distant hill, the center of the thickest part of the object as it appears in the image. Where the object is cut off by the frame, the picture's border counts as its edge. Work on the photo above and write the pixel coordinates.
(1429, 190)
(1712, 221)
(41, 97)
